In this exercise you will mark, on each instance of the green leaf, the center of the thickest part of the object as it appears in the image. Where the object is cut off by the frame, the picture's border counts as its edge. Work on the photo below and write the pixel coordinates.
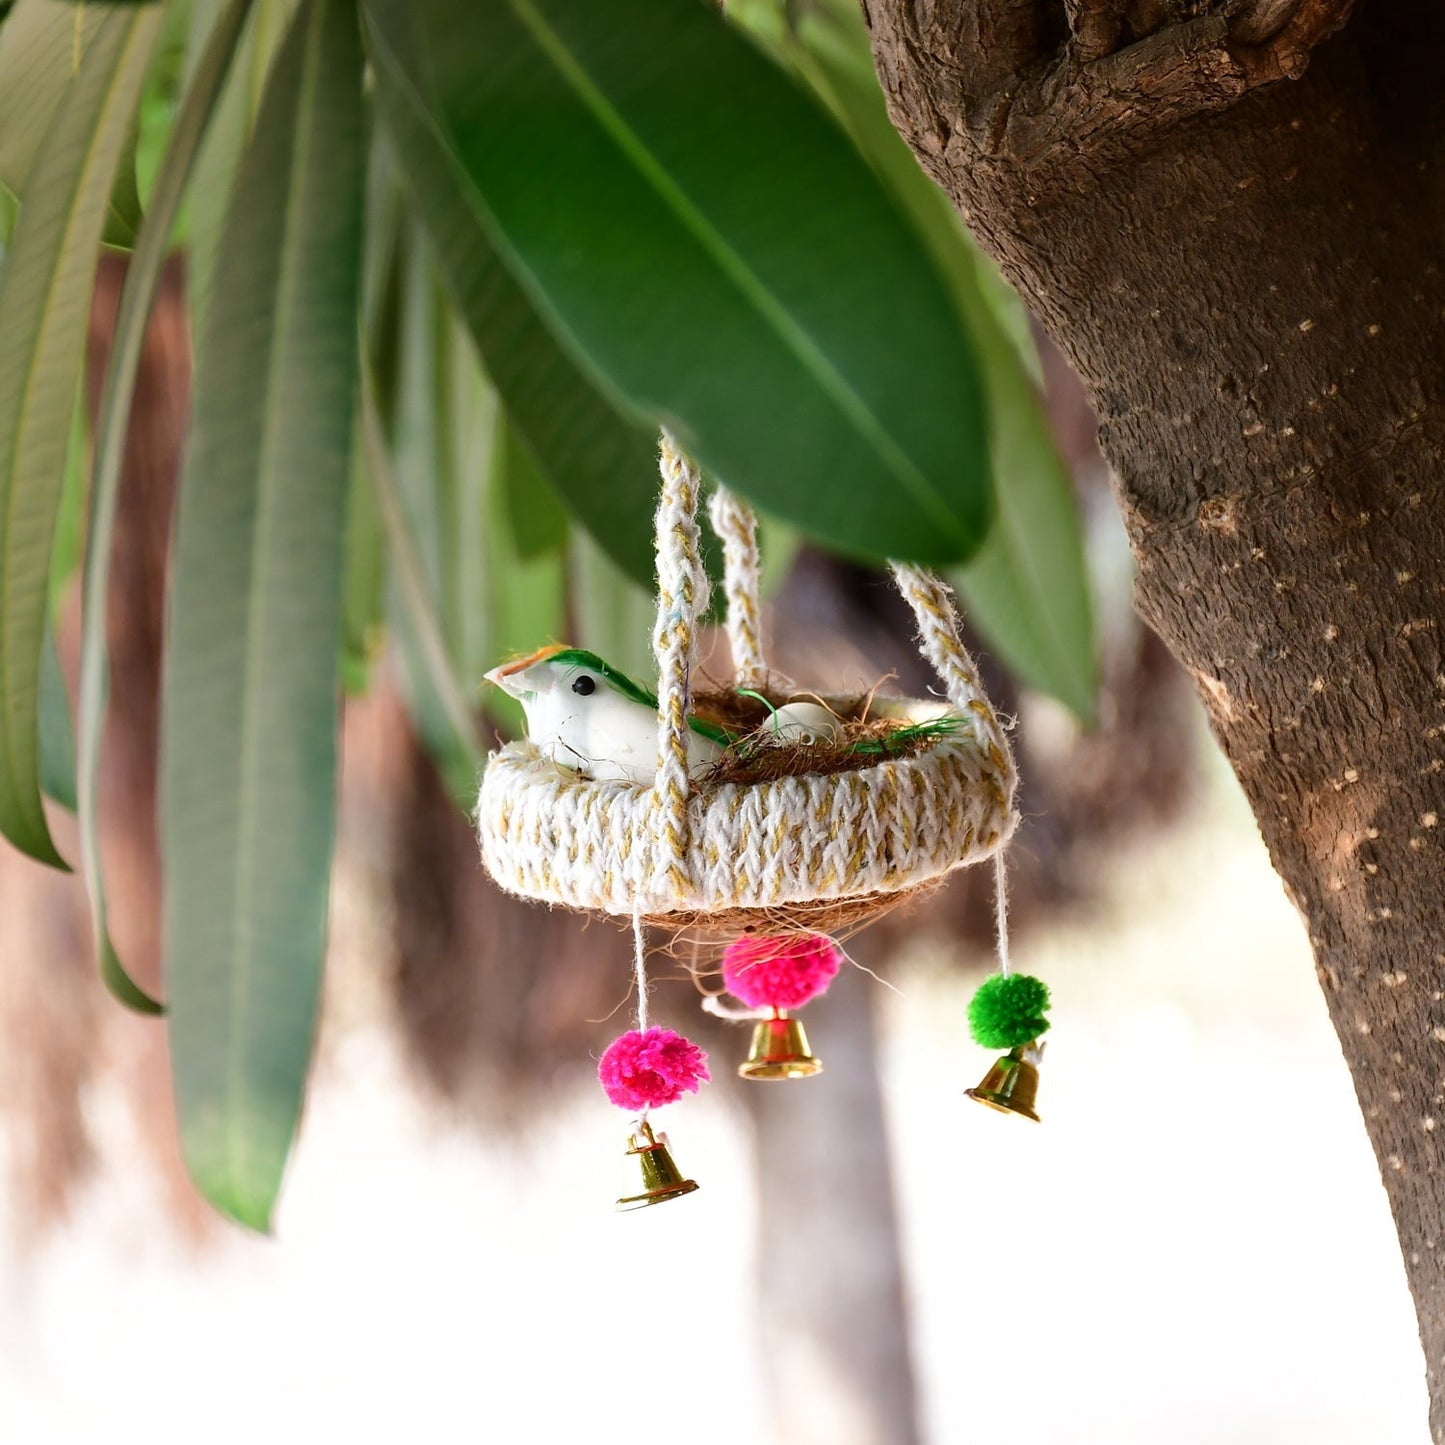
(449, 731)
(65, 550)
(123, 213)
(535, 515)
(1027, 588)
(435, 527)
(526, 593)
(160, 101)
(614, 615)
(707, 244)
(603, 463)
(41, 48)
(778, 546)
(459, 469)
(44, 312)
(1009, 312)
(501, 598)
(215, 172)
(363, 588)
(248, 757)
(57, 739)
(136, 299)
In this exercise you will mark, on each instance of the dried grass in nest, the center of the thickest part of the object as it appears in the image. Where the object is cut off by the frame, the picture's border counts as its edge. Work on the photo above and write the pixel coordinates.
(860, 742)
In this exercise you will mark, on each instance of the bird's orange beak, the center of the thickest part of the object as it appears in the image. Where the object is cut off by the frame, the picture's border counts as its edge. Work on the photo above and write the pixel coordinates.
(507, 675)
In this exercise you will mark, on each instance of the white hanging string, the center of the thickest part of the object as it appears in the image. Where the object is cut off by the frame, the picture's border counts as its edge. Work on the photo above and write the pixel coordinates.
(640, 964)
(863, 968)
(712, 1004)
(1000, 901)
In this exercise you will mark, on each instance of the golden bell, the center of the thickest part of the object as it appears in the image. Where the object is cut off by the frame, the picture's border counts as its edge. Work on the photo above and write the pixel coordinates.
(779, 1051)
(649, 1162)
(1012, 1085)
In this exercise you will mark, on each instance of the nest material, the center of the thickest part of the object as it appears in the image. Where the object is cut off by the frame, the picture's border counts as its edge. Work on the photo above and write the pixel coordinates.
(837, 917)
(866, 734)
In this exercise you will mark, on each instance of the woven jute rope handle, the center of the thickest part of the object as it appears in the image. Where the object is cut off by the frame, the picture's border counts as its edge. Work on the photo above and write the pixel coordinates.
(682, 597)
(937, 618)
(733, 521)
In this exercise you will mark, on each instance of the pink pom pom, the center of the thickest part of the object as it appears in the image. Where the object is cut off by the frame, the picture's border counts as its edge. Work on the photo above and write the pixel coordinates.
(646, 1069)
(781, 972)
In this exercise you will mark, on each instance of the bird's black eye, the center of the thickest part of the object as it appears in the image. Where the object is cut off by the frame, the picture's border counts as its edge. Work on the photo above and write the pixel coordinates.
(585, 685)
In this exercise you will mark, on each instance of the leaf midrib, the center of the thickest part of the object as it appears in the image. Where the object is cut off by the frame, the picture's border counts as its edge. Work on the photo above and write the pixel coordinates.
(830, 380)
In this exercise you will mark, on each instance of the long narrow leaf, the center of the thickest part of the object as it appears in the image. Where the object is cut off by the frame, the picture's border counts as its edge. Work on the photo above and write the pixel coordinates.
(57, 738)
(1027, 588)
(363, 588)
(425, 488)
(44, 311)
(41, 48)
(711, 249)
(523, 602)
(464, 741)
(220, 157)
(455, 545)
(137, 298)
(249, 716)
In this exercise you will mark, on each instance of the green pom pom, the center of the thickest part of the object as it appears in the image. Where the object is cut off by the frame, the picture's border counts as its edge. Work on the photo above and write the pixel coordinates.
(1008, 1011)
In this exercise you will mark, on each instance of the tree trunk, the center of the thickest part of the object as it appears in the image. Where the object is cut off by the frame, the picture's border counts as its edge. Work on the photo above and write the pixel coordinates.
(1230, 216)
(832, 1315)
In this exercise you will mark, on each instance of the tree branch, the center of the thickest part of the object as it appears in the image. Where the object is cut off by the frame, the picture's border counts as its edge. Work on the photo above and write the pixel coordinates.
(1113, 82)
(1095, 26)
(1274, 38)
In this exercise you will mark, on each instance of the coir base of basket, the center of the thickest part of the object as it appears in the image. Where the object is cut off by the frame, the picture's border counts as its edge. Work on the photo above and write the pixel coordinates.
(833, 916)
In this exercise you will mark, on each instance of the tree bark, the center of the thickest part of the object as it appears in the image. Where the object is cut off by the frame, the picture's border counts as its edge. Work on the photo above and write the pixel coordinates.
(1229, 216)
(832, 1312)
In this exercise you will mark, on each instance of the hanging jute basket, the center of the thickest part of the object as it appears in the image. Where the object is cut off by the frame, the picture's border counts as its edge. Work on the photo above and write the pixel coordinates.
(810, 850)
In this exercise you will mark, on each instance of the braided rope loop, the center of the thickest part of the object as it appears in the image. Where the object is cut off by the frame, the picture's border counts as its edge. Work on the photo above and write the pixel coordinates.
(933, 610)
(733, 521)
(682, 596)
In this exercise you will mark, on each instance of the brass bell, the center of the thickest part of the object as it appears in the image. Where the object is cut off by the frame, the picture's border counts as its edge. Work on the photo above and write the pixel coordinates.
(1012, 1085)
(779, 1051)
(649, 1161)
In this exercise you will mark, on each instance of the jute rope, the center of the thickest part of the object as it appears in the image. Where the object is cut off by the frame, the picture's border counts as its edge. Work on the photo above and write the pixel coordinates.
(737, 528)
(682, 597)
(933, 610)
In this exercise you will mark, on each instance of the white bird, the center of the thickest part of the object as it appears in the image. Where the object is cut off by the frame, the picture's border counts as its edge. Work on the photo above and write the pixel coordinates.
(584, 714)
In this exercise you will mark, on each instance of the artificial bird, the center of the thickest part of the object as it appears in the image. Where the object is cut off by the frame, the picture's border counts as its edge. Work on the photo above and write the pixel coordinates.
(584, 714)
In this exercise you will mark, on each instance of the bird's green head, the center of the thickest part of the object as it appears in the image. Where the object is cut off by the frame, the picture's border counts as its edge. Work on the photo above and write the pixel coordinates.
(559, 669)
(565, 674)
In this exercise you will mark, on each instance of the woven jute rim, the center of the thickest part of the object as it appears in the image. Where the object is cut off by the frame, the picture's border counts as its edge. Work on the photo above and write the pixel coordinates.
(782, 851)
